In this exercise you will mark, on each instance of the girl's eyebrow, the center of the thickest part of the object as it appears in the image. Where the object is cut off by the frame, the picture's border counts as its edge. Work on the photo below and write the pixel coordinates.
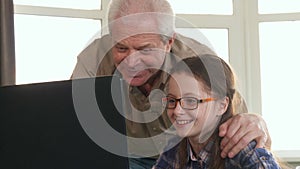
(186, 95)
(170, 95)
(191, 94)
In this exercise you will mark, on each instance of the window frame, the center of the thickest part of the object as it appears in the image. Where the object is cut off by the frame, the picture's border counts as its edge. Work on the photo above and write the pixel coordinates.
(243, 36)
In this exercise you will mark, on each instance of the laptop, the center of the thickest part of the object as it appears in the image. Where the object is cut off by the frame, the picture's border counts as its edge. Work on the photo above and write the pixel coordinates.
(74, 124)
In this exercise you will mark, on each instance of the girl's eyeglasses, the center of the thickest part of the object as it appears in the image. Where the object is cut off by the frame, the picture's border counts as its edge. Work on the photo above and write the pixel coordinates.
(188, 103)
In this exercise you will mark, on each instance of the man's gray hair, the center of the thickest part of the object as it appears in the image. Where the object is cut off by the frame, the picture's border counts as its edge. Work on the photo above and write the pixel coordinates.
(160, 9)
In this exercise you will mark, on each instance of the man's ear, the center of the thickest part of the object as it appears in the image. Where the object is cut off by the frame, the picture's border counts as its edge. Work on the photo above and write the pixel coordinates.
(223, 105)
(170, 42)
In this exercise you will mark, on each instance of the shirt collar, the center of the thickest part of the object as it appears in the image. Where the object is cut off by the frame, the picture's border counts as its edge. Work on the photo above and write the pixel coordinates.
(203, 156)
(169, 62)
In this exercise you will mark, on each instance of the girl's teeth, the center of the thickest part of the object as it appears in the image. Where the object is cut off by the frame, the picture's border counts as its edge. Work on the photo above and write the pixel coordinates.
(183, 121)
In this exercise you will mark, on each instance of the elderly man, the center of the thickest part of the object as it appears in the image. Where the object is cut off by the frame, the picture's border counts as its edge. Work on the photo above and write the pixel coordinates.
(142, 46)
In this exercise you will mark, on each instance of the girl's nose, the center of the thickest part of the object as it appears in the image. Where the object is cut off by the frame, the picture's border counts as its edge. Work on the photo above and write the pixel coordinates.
(178, 110)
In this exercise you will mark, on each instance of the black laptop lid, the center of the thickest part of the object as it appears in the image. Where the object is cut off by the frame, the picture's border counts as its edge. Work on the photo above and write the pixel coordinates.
(40, 129)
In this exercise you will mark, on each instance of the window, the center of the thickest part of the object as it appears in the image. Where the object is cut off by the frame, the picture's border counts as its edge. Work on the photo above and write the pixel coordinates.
(48, 39)
(278, 6)
(46, 47)
(78, 4)
(279, 34)
(278, 25)
(279, 55)
(202, 6)
(216, 39)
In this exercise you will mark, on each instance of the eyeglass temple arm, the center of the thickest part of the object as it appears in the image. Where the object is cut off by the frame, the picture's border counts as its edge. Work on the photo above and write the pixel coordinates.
(207, 100)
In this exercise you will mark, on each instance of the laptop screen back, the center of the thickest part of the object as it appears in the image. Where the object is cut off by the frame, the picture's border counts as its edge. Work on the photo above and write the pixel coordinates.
(40, 128)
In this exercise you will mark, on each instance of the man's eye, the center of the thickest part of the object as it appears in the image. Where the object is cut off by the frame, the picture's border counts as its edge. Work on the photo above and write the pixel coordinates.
(121, 49)
(146, 50)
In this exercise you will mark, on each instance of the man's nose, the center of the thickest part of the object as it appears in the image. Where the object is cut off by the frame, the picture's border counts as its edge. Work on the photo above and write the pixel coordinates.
(133, 58)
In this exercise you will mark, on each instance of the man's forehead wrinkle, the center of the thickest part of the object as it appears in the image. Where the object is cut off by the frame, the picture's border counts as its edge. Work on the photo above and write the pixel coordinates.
(137, 6)
(138, 19)
(141, 23)
(139, 41)
(127, 27)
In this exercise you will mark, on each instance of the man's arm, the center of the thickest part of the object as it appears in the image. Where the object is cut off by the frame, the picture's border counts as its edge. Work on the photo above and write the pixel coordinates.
(94, 57)
(240, 130)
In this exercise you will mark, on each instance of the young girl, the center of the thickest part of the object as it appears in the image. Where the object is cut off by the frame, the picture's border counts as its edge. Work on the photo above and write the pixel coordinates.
(200, 96)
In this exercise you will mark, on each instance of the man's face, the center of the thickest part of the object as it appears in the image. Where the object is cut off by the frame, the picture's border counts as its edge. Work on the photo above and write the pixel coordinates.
(139, 57)
(138, 50)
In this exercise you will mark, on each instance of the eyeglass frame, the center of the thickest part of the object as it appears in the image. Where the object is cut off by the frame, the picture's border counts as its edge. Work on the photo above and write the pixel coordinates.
(164, 101)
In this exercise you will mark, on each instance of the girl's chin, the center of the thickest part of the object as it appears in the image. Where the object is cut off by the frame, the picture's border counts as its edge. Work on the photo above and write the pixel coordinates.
(182, 135)
(183, 132)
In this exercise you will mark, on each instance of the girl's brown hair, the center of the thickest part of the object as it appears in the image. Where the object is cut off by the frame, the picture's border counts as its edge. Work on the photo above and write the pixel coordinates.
(218, 77)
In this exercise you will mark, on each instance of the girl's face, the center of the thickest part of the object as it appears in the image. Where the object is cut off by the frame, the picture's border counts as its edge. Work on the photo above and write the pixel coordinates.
(199, 122)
